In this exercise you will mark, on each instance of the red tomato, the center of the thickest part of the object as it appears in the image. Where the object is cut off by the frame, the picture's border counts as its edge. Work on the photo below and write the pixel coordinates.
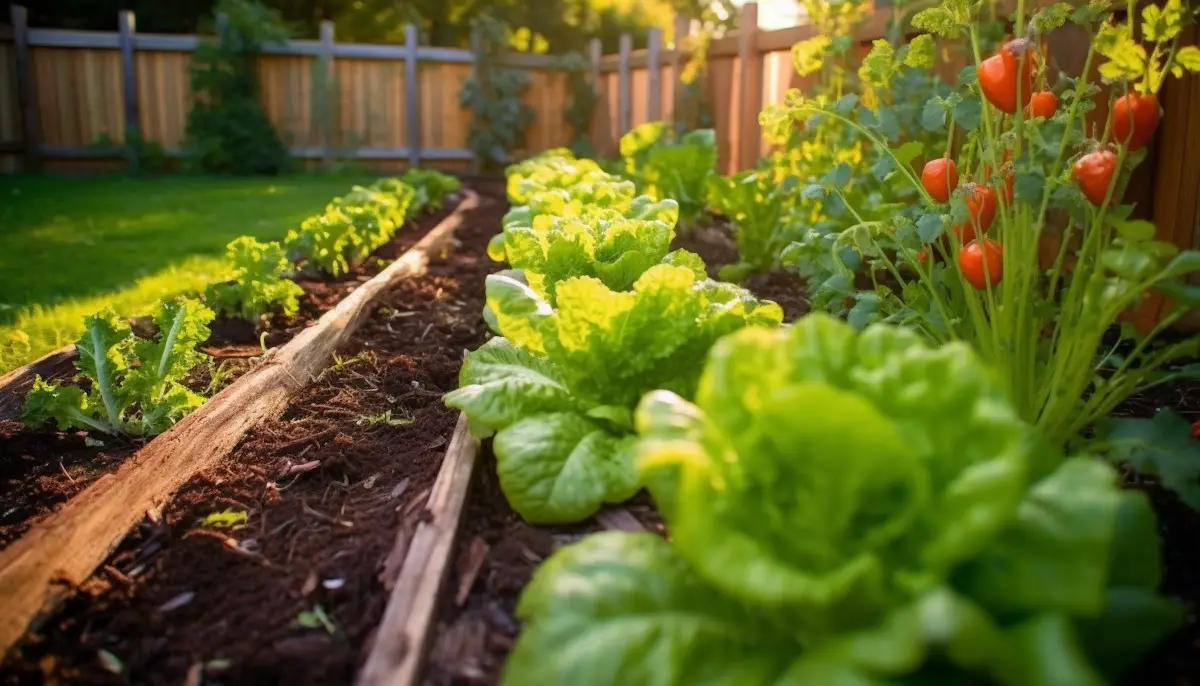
(922, 255)
(1042, 104)
(1094, 172)
(999, 74)
(940, 178)
(982, 263)
(1196, 430)
(1135, 117)
(981, 205)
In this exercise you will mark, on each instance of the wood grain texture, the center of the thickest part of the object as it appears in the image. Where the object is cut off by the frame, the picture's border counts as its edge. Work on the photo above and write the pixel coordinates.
(398, 650)
(62, 550)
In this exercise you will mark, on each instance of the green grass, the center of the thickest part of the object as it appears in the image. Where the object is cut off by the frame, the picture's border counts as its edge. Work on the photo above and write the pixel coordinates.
(70, 246)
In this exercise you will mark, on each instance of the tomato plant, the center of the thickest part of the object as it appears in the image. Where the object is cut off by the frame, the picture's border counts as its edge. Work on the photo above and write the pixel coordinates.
(1073, 259)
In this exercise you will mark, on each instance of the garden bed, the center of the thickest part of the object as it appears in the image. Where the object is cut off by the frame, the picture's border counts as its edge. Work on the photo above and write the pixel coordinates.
(325, 487)
(50, 466)
(715, 245)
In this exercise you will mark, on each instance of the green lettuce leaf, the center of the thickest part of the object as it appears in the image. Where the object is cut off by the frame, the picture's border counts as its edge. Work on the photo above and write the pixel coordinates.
(560, 387)
(852, 508)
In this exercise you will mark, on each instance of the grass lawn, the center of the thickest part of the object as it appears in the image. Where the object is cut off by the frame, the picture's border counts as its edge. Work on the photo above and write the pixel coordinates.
(70, 246)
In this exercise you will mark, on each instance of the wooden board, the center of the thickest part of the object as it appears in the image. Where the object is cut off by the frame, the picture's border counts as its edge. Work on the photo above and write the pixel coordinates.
(56, 364)
(398, 650)
(61, 551)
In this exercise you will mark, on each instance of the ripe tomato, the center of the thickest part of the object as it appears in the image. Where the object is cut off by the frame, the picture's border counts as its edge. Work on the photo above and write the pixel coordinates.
(1094, 172)
(1135, 117)
(1042, 104)
(922, 255)
(981, 205)
(1196, 430)
(998, 75)
(977, 257)
(940, 178)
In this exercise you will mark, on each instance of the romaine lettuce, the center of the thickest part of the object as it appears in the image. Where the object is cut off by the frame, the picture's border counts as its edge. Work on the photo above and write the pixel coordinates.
(560, 388)
(852, 509)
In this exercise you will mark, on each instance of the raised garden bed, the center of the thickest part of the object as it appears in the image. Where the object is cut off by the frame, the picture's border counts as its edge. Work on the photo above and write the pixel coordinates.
(377, 545)
(68, 544)
(51, 466)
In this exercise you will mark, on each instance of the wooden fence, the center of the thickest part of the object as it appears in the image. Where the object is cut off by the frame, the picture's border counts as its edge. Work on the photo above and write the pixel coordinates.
(752, 69)
(395, 105)
(387, 105)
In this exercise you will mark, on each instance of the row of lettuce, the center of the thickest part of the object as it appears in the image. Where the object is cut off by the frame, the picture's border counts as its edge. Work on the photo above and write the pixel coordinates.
(913, 496)
(134, 382)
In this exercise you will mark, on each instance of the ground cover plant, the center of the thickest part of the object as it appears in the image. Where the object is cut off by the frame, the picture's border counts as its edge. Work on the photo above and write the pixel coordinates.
(1019, 245)
(127, 243)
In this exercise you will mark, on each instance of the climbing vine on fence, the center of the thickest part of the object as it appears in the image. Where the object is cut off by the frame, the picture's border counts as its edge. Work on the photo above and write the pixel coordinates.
(493, 95)
(228, 132)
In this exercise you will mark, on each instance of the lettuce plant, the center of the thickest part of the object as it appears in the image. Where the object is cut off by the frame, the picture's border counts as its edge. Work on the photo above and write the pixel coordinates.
(852, 508)
(759, 209)
(259, 282)
(431, 187)
(135, 385)
(611, 245)
(559, 389)
(663, 167)
(351, 228)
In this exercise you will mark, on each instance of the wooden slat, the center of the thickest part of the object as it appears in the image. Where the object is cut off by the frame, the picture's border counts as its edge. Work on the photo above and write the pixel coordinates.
(15, 384)
(398, 650)
(654, 69)
(624, 97)
(61, 551)
(26, 93)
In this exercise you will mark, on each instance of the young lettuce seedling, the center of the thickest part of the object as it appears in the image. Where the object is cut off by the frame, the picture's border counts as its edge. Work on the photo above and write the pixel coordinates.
(135, 385)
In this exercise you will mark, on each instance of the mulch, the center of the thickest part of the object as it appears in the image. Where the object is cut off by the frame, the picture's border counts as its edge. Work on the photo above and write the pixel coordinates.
(44, 467)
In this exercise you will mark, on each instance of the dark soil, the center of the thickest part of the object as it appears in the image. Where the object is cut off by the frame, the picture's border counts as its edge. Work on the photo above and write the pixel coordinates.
(42, 468)
(715, 245)
(1177, 660)
(325, 489)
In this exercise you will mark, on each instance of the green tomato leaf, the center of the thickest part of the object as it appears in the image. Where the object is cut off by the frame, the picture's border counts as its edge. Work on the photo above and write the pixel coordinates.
(1161, 447)
(1028, 186)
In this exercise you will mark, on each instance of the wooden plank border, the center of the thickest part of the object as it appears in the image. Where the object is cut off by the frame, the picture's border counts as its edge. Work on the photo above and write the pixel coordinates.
(399, 647)
(62, 550)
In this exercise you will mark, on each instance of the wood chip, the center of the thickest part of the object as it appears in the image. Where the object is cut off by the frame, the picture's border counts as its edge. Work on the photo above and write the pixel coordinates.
(619, 519)
(310, 584)
(469, 570)
(399, 489)
(394, 562)
(301, 468)
(307, 439)
(177, 602)
(194, 674)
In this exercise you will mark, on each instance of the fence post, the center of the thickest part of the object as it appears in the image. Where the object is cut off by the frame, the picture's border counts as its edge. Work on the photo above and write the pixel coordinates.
(126, 26)
(414, 94)
(25, 90)
(750, 91)
(476, 48)
(595, 54)
(683, 27)
(624, 100)
(326, 60)
(654, 107)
